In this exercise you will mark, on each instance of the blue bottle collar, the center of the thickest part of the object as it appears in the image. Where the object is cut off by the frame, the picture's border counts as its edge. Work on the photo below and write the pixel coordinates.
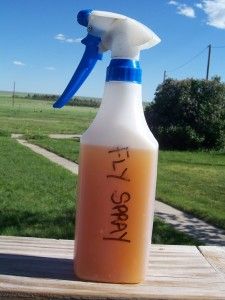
(124, 70)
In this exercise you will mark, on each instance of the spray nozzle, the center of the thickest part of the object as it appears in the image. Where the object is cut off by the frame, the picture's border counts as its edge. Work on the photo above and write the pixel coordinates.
(124, 36)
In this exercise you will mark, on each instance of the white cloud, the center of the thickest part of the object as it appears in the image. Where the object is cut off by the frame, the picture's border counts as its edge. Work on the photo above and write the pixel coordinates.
(61, 37)
(50, 68)
(172, 2)
(18, 63)
(183, 9)
(78, 40)
(186, 11)
(69, 40)
(199, 5)
(215, 12)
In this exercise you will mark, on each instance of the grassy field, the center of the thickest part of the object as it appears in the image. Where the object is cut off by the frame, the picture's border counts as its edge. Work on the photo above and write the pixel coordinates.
(67, 148)
(40, 200)
(38, 117)
(36, 196)
(200, 189)
(194, 182)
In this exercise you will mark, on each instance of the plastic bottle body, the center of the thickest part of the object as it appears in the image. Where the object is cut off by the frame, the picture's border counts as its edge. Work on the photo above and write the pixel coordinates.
(117, 178)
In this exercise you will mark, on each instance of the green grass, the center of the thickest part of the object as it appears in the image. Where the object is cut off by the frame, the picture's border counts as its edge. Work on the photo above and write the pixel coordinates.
(38, 117)
(191, 181)
(67, 148)
(194, 182)
(38, 199)
(165, 234)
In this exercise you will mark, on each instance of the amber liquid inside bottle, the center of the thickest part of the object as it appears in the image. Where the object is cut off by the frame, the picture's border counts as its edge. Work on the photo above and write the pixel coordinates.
(114, 214)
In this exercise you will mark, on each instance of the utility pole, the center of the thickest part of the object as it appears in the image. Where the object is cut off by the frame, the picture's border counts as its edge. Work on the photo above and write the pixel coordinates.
(164, 76)
(208, 63)
(13, 94)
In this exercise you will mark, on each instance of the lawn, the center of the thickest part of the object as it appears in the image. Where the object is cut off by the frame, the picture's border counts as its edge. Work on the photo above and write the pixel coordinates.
(67, 148)
(194, 182)
(38, 117)
(38, 198)
(190, 181)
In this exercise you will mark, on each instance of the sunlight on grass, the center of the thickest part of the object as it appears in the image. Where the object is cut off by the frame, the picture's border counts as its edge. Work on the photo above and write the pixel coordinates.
(67, 148)
(35, 116)
(193, 182)
(37, 197)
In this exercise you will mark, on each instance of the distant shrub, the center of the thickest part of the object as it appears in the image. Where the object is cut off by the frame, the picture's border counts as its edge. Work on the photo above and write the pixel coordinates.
(85, 101)
(188, 114)
(77, 101)
(44, 97)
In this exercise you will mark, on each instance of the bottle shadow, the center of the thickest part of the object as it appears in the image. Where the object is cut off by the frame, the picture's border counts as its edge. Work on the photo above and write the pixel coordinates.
(37, 267)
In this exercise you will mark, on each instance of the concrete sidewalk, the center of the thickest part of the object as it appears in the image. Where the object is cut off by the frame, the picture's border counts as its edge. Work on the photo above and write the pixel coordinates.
(202, 231)
(63, 162)
(64, 136)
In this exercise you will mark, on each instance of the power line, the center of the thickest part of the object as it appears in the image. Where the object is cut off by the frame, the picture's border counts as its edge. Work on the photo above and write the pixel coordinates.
(218, 47)
(209, 47)
(190, 60)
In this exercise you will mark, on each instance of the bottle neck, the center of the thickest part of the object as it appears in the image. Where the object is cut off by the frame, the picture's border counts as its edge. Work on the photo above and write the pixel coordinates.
(121, 101)
(122, 98)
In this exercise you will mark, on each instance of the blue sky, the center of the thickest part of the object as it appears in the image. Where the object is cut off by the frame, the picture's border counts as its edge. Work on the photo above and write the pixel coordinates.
(40, 42)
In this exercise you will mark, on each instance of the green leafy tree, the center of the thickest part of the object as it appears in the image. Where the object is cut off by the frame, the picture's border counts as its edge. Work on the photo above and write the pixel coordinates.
(188, 114)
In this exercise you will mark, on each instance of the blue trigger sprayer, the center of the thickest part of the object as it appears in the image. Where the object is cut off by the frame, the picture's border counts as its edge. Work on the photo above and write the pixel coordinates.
(118, 155)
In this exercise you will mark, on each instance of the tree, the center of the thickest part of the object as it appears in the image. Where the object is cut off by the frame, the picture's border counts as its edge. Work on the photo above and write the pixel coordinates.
(188, 114)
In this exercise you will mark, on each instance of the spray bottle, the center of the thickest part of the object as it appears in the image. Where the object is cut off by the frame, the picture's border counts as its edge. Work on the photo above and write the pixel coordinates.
(118, 156)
